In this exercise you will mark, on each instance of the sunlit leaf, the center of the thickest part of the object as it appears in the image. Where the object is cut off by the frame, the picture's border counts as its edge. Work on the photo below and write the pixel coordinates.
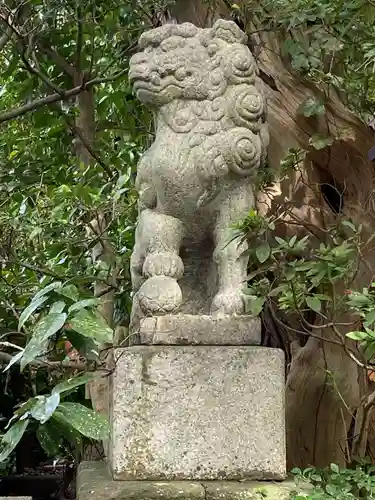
(88, 422)
(43, 330)
(69, 291)
(357, 335)
(73, 382)
(30, 309)
(91, 324)
(57, 307)
(45, 407)
(82, 304)
(47, 289)
(15, 359)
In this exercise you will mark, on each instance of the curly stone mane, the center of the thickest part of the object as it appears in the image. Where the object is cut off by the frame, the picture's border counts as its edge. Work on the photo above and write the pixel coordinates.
(204, 84)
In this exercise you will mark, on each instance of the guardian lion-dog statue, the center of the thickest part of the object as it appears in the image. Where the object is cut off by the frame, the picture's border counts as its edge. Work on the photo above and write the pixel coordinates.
(195, 181)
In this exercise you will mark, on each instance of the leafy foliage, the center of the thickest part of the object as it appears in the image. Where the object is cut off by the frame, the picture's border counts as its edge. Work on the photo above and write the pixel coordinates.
(329, 42)
(68, 205)
(333, 482)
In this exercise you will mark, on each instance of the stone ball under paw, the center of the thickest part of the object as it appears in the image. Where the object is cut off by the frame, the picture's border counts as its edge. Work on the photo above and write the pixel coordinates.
(160, 295)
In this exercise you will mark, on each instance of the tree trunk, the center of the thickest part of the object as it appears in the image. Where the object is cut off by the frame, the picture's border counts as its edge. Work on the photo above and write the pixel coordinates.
(98, 389)
(322, 389)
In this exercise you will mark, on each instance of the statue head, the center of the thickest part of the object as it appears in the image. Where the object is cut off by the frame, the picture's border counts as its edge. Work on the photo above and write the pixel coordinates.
(186, 62)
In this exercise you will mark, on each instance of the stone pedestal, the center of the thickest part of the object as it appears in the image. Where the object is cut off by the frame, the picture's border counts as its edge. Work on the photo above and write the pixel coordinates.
(190, 329)
(197, 413)
(95, 482)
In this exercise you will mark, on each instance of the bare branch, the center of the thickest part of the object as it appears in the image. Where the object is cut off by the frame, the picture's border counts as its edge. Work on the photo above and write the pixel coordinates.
(79, 42)
(57, 58)
(39, 103)
(73, 365)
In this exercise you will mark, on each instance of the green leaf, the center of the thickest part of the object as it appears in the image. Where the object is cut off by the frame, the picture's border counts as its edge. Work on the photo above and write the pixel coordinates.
(52, 286)
(82, 304)
(62, 427)
(333, 490)
(312, 107)
(263, 252)
(87, 347)
(320, 142)
(12, 438)
(357, 335)
(45, 407)
(43, 330)
(349, 224)
(296, 470)
(255, 305)
(57, 307)
(32, 307)
(88, 422)
(69, 291)
(276, 291)
(48, 440)
(370, 351)
(289, 273)
(280, 241)
(14, 360)
(91, 324)
(73, 382)
(370, 318)
(314, 303)
(292, 241)
(335, 468)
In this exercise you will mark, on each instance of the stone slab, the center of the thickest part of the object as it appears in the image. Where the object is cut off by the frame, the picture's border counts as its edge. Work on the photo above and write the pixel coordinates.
(198, 413)
(95, 483)
(186, 329)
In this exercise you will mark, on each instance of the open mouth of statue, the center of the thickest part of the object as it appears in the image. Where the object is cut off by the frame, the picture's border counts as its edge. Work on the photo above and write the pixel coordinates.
(142, 82)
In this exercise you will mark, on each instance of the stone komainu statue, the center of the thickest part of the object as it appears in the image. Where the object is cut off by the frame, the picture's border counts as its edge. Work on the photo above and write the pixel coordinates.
(194, 182)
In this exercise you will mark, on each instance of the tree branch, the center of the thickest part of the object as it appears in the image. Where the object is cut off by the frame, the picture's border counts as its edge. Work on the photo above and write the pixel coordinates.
(39, 103)
(79, 41)
(56, 58)
(5, 358)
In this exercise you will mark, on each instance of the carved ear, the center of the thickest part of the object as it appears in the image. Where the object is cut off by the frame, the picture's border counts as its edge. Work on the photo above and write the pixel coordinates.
(228, 31)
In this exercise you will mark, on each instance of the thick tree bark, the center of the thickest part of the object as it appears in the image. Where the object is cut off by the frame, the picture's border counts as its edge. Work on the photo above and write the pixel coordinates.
(322, 385)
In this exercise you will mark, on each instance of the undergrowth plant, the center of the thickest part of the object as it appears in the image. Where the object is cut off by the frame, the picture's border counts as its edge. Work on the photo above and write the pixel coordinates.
(335, 482)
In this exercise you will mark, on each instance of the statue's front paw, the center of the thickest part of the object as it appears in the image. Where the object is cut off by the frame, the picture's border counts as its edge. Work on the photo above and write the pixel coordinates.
(228, 301)
(159, 295)
(163, 264)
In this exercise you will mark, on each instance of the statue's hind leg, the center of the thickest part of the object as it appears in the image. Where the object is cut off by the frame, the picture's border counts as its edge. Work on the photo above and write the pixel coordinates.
(229, 255)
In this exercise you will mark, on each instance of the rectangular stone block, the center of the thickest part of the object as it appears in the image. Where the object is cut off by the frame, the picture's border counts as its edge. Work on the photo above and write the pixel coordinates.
(189, 329)
(197, 413)
(94, 482)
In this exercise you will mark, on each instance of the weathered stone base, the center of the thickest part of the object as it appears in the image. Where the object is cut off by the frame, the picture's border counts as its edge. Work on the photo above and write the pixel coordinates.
(198, 413)
(187, 329)
(95, 483)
